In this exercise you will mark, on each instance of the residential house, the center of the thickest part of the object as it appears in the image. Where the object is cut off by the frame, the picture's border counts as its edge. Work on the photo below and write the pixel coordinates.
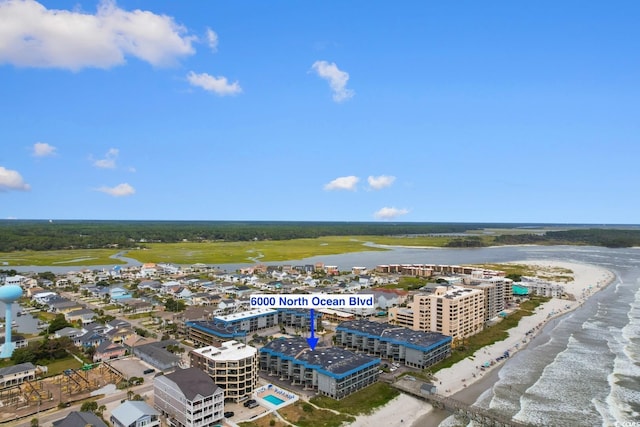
(84, 316)
(148, 270)
(227, 304)
(18, 342)
(134, 413)
(43, 297)
(63, 306)
(136, 305)
(188, 398)
(117, 324)
(108, 350)
(72, 333)
(80, 419)
(17, 374)
(117, 294)
(152, 285)
(119, 335)
(157, 355)
(165, 288)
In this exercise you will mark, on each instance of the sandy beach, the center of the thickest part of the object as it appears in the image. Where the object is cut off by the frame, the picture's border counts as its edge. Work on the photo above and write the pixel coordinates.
(469, 378)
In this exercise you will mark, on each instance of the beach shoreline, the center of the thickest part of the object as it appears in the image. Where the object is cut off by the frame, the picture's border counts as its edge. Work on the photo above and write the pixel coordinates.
(468, 379)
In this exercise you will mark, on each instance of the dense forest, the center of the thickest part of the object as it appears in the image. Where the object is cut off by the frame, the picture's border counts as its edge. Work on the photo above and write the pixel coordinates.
(35, 235)
(45, 235)
(608, 237)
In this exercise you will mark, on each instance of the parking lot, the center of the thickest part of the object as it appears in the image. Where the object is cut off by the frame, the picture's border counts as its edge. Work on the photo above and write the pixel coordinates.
(244, 414)
(133, 367)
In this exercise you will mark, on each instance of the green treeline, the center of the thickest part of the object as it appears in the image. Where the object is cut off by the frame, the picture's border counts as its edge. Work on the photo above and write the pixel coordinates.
(43, 235)
(608, 237)
(17, 235)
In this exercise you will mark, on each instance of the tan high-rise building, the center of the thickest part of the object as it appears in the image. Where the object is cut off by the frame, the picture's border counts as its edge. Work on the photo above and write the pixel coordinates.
(498, 292)
(454, 311)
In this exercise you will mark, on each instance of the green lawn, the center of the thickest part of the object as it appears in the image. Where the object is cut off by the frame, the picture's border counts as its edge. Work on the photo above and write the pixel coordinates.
(60, 258)
(226, 252)
(364, 401)
(241, 252)
(58, 366)
(302, 414)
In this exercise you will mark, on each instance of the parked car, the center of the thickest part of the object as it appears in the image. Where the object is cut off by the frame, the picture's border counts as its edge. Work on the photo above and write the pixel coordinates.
(253, 405)
(249, 402)
(229, 414)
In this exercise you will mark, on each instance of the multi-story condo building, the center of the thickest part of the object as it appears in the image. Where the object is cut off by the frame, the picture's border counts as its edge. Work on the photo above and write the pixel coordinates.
(189, 398)
(453, 310)
(296, 317)
(414, 348)
(541, 288)
(249, 321)
(334, 372)
(233, 366)
(207, 332)
(498, 292)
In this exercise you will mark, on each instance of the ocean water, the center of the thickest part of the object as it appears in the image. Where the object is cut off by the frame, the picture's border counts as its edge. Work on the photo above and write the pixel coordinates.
(585, 367)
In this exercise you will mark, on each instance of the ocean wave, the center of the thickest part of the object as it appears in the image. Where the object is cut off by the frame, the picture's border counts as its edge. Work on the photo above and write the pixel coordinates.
(557, 398)
(622, 403)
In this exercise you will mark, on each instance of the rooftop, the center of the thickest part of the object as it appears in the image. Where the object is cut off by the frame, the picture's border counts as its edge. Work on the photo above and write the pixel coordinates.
(80, 419)
(386, 332)
(230, 350)
(9, 370)
(192, 382)
(333, 361)
(131, 411)
(246, 314)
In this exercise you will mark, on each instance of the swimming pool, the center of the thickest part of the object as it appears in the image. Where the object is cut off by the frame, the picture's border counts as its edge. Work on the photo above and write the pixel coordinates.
(273, 399)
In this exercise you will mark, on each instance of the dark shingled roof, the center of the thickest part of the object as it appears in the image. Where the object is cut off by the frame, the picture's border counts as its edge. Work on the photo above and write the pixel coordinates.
(392, 333)
(80, 419)
(10, 370)
(193, 382)
(334, 360)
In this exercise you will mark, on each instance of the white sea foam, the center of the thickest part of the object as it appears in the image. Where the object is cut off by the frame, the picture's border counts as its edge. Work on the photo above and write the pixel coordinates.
(557, 398)
(618, 409)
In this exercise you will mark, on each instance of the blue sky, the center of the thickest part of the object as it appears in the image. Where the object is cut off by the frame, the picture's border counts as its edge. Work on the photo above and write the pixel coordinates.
(338, 111)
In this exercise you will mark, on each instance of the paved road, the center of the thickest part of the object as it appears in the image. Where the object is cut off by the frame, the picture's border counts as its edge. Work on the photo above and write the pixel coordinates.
(46, 418)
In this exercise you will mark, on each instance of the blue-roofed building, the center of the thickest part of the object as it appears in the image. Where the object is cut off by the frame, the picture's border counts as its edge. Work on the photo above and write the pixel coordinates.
(212, 332)
(118, 293)
(331, 371)
(417, 349)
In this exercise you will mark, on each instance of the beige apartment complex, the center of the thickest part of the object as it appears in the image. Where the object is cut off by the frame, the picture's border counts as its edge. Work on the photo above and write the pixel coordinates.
(498, 292)
(451, 310)
(233, 366)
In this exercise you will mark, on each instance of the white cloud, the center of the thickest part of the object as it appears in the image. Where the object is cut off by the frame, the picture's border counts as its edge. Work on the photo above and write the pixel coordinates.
(337, 79)
(343, 183)
(389, 213)
(380, 182)
(212, 40)
(109, 161)
(42, 149)
(12, 180)
(33, 36)
(119, 190)
(218, 85)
